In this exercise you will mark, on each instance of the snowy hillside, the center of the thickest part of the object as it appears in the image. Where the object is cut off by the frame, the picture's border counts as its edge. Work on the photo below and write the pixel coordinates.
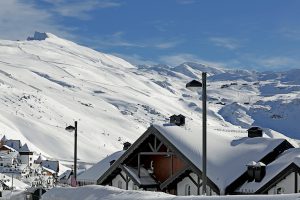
(47, 82)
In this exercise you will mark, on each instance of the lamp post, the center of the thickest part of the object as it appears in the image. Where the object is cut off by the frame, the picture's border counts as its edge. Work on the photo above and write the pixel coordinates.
(197, 84)
(71, 129)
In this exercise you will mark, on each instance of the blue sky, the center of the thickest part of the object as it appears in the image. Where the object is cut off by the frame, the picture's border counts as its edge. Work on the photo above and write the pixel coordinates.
(249, 34)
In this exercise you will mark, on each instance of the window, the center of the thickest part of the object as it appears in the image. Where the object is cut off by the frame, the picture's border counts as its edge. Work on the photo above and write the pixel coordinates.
(120, 185)
(187, 190)
(279, 190)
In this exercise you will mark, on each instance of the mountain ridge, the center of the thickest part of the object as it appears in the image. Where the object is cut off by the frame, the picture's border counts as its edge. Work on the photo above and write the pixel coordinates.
(47, 84)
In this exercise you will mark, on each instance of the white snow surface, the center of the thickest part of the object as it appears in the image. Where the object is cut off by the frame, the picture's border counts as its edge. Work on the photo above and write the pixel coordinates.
(98, 192)
(48, 82)
(227, 156)
(96, 171)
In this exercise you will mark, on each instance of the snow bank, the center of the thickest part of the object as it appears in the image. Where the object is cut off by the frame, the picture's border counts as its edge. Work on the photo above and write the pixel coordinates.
(109, 193)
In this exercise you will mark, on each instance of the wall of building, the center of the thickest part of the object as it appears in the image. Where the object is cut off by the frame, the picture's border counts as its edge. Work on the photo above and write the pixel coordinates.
(26, 159)
(182, 187)
(119, 181)
(285, 186)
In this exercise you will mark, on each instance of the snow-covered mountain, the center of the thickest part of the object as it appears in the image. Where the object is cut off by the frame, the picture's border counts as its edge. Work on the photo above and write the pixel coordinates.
(47, 82)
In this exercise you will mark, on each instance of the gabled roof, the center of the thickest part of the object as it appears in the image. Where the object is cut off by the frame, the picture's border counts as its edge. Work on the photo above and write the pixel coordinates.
(16, 144)
(48, 170)
(96, 171)
(24, 148)
(8, 148)
(289, 159)
(66, 175)
(227, 155)
(51, 164)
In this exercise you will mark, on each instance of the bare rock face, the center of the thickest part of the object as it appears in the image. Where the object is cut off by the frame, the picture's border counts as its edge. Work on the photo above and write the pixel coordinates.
(38, 36)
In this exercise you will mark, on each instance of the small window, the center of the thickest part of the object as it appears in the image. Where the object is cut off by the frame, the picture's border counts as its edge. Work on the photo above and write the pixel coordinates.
(279, 190)
(120, 184)
(187, 190)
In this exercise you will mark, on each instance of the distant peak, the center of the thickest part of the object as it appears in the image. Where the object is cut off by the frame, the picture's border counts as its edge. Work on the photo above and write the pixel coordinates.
(38, 36)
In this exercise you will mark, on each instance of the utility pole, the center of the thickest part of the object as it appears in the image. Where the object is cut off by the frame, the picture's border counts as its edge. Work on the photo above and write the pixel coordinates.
(75, 152)
(204, 130)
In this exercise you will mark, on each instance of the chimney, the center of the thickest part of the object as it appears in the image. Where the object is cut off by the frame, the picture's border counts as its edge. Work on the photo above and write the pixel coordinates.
(126, 145)
(260, 171)
(251, 170)
(111, 162)
(255, 132)
(179, 120)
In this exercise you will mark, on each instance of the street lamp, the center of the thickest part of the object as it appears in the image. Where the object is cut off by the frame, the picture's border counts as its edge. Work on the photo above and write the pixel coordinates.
(193, 85)
(71, 129)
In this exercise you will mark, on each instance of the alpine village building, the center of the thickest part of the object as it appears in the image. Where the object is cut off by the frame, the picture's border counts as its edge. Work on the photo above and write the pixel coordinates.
(168, 158)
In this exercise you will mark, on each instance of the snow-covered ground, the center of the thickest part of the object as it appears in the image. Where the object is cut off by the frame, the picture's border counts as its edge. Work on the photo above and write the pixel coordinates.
(48, 83)
(109, 193)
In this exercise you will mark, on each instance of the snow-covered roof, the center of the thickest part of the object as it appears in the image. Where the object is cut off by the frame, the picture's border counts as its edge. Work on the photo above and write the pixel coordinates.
(10, 155)
(49, 170)
(51, 164)
(274, 168)
(66, 175)
(227, 156)
(15, 144)
(97, 170)
(8, 147)
(7, 180)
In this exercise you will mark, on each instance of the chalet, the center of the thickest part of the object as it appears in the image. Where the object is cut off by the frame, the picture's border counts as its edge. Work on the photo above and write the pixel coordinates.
(169, 158)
